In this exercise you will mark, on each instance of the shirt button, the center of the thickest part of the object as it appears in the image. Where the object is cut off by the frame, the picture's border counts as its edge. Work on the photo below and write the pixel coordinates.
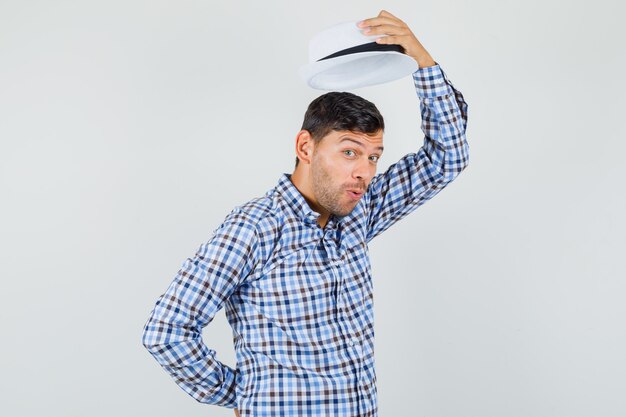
(353, 342)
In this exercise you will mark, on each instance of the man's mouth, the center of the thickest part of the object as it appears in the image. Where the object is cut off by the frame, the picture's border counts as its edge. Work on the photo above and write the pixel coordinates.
(355, 194)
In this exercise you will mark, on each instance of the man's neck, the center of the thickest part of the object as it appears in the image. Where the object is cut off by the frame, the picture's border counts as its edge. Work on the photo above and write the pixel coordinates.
(301, 180)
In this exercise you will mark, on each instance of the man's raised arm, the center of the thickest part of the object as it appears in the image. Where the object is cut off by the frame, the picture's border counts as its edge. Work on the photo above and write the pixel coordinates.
(417, 177)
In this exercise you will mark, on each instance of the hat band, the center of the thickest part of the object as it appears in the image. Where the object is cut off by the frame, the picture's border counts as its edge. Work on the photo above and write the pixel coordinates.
(366, 47)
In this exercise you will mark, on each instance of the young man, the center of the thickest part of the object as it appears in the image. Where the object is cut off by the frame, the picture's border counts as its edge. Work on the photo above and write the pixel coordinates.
(292, 267)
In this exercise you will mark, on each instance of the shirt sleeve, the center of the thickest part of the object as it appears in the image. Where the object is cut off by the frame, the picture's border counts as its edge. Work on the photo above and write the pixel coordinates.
(173, 332)
(417, 177)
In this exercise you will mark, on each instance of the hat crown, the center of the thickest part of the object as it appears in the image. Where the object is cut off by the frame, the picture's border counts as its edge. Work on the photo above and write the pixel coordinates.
(341, 58)
(337, 38)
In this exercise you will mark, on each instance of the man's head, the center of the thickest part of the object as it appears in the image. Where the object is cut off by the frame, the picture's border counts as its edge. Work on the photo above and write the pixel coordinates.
(337, 151)
(341, 111)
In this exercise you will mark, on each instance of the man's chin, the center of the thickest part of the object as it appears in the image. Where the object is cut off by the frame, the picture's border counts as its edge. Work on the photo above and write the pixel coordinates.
(346, 212)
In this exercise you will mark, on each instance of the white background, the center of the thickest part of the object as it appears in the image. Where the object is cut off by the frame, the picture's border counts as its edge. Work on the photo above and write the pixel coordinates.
(129, 129)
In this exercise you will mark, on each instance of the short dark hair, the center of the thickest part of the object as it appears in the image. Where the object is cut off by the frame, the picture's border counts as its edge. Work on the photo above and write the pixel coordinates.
(340, 110)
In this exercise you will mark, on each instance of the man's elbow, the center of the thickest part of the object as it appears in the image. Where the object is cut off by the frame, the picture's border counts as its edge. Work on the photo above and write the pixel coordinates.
(453, 167)
(149, 338)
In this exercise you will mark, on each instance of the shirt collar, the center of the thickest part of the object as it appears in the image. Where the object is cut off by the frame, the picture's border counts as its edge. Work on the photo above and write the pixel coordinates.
(298, 204)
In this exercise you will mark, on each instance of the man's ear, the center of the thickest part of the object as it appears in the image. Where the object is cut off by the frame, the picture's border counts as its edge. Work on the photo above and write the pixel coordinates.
(304, 146)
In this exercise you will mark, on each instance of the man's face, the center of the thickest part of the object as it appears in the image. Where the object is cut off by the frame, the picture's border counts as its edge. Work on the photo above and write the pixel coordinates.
(342, 166)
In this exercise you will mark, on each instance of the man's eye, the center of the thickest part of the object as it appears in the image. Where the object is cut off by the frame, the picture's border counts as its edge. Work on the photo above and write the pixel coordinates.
(375, 158)
(346, 152)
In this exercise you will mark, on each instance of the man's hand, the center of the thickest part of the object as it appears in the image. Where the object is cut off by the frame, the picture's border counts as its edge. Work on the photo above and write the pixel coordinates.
(237, 412)
(397, 33)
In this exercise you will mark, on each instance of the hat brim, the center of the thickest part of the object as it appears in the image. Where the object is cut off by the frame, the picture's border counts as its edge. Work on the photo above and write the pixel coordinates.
(357, 70)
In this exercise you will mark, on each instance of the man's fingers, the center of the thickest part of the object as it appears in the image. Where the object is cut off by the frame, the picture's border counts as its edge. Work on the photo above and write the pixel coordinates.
(377, 21)
(386, 30)
(392, 40)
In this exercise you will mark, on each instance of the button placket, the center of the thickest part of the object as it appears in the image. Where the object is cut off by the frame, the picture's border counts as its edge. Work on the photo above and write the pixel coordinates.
(352, 341)
(336, 268)
(337, 264)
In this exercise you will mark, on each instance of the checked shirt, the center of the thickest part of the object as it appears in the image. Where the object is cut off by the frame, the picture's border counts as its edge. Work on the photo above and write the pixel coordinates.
(299, 297)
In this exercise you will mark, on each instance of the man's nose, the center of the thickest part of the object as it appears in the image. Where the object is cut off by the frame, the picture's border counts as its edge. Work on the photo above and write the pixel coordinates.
(363, 171)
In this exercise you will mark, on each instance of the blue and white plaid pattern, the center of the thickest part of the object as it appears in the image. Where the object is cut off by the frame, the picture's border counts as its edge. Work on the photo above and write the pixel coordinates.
(297, 296)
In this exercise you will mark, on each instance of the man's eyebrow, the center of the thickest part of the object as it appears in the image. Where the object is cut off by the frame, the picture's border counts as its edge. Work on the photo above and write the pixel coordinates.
(380, 148)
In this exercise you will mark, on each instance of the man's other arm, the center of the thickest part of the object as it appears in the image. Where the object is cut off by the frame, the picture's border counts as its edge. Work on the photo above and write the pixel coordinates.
(173, 332)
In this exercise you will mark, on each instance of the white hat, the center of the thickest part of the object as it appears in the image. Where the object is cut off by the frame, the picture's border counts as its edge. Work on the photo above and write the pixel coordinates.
(341, 58)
